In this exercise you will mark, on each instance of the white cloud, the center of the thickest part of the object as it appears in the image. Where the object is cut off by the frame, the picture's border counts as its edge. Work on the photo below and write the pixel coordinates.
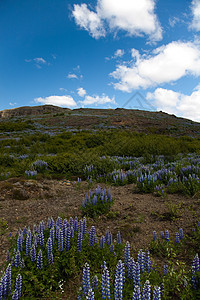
(97, 100)
(134, 17)
(187, 106)
(12, 104)
(196, 15)
(40, 60)
(119, 53)
(88, 20)
(165, 64)
(65, 101)
(72, 76)
(173, 21)
(81, 92)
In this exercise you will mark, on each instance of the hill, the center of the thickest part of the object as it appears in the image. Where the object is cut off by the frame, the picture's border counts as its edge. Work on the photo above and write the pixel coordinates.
(49, 117)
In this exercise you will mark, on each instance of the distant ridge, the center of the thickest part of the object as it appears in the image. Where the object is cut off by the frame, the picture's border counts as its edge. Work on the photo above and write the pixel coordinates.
(31, 110)
(50, 117)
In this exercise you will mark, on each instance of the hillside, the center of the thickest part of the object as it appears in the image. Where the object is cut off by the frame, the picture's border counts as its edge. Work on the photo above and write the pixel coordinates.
(53, 118)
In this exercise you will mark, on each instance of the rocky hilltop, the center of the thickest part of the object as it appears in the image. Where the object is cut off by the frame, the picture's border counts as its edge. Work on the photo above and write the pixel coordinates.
(31, 110)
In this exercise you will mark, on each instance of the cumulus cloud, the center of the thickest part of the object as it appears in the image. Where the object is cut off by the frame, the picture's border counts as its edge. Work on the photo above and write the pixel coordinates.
(165, 64)
(134, 17)
(88, 20)
(72, 76)
(81, 92)
(97, 100)
(187, 106)
(196, 15)
(65, 101)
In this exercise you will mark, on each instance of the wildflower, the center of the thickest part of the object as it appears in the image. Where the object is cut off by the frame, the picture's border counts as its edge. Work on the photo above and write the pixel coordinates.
(156, 293)
(136, 293)
(33, 253)
(154, 235)
(18, 259)
(95, 283)
(167, 235)
(18, 285)
(105, 287)
(118, 238)
(146, 292)
(86, 278)
(80, 241)
(90, 295)
(127, 253)
(39, 261)
(177, 237)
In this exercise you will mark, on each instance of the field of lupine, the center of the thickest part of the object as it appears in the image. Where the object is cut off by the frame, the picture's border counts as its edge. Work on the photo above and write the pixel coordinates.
(43, 260)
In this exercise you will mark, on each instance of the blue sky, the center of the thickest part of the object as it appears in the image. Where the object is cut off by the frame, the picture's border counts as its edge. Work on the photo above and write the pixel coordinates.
(100, 53)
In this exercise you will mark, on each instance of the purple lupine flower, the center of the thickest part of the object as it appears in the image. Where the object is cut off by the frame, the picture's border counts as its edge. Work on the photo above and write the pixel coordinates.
(49, 249)
(177, 237)
(147, 262)
(84, 226)
(18, 285)
(15, 295)
(8, 273)
(112, 248)
(181, 233)
(154, 235)
(162, 235)
(146, 292)
(34, 228)
(167, 235)
(118, 238)
(95, 283)
(25, 230)
(20, 242)
(64, 229)
(127, 253)
(80, 226)
(90, 295)
(86, 278)
(28, 243)
(102, 242)
(41, 239)
(140, 260)
(72, 232)
(132, 270)
(80, 241)
(39, 260)
(4, 285)
(105, 286)
(119, 280)
(67, 239)
(93, 237)
(136, 293)
(110, 239)
(1, 290)
(18, 259)
(60, 239)
(75, 224)
(52, 235)
(137, 274)
(71, 222)
(33, 253)
(165, 269)
(156, 293)
(195, 268)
